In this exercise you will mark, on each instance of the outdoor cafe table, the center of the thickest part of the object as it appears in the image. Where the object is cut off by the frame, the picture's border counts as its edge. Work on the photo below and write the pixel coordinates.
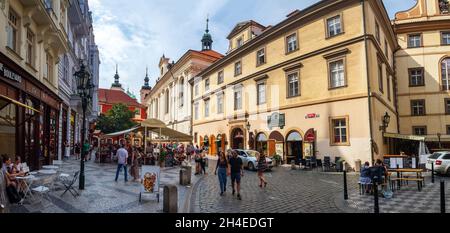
(27, 181)
(50, 167)
(401, 171)
(48, 172)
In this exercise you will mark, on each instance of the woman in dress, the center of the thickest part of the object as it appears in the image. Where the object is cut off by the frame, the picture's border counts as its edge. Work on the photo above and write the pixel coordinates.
(134, 169)
(364, 178)
(262, 166)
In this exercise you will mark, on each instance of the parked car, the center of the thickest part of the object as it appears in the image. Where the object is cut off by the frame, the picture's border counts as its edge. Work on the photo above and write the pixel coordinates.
(249, 159)
(441, 161)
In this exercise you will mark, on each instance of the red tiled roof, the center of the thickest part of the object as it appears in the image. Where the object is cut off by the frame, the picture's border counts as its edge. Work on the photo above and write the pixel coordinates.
(116, 97)
(212, 53)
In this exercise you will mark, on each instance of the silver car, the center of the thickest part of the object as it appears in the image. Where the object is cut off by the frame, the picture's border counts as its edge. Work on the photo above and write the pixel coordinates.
(441, 162)
(249, 159)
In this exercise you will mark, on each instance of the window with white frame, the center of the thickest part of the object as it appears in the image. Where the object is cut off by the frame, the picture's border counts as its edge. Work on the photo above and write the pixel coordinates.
(220, 103)
(240, 42)
(445, 38)
(291, 43)
(220, 77)
(334, 26)
(445, 73)
(196, 89)
(339, 131)
(12, 30)
(30, 48)
(380, 77)
(237, 68)
(238, 99)
(207, 84)
(261, 57)
(48, 69)
(416, 77)
(293, 84)
(196, 109)
(181, 91)
(414, 41)
(337, 73)
(261, 93)
(377, 32)
(207, 107)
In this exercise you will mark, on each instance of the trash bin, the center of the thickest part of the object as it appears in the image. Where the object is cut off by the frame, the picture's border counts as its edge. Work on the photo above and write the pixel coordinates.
(358, 165)
(185, 175)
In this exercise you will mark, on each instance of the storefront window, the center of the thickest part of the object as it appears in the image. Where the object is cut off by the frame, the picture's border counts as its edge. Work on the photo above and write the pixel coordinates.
(7, 128)
(294, 147)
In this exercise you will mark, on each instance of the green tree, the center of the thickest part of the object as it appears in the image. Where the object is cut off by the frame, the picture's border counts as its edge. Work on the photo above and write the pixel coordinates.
(118, 118)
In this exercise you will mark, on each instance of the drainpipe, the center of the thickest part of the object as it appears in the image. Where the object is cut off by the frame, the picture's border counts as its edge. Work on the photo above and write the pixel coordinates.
(368, 80)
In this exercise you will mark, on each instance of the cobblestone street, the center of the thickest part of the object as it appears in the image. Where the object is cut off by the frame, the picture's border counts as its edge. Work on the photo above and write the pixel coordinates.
(308, 192)
(103, 195)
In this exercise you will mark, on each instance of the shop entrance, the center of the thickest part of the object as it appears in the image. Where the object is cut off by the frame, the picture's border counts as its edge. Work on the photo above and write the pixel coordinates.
(294, 147)
(237, 139)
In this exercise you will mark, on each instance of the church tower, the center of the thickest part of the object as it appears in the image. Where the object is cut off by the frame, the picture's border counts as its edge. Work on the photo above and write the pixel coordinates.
(116, 85)
(146, 89)
(207, 38)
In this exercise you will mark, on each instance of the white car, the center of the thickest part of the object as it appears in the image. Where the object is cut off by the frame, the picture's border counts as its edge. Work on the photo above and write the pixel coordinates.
(249, 159)
(441, 162)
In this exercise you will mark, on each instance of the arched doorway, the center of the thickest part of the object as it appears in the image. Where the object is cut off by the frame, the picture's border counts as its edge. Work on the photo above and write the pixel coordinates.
(294, 147)
(213, 145)
(237, 139)
(261, 143)
(276, 145)
(206, 143)
(220, 143)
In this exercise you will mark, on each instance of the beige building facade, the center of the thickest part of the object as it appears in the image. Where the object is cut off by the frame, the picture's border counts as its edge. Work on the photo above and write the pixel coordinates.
(318, 83)
(423, 68)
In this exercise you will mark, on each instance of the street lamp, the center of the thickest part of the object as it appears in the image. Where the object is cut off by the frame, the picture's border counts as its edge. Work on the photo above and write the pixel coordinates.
(248, 126)
(386, 121)
(85, 90)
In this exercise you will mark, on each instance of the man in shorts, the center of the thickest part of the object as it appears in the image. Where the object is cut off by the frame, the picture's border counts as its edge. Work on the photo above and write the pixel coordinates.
(237, 171)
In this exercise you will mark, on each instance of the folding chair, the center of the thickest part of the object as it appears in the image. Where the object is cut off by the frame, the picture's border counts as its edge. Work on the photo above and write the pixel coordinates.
(69, 186)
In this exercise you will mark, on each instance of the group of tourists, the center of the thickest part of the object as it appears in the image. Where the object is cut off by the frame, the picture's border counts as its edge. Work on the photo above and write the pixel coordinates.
(231, 165)
(378, 174)
(10, 171)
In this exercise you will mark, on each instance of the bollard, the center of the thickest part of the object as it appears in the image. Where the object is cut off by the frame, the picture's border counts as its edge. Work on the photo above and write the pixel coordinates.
(432, 172)
(442, 197)
(170, 199)
(375, 195)
(293, 166)
(345, 186)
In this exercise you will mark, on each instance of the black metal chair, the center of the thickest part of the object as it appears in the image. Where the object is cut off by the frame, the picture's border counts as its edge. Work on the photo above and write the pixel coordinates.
(69, 185)
(326, 164)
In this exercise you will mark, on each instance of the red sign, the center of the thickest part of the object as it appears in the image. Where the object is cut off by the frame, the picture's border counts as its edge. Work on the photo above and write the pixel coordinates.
(312, 116)
(310, 136)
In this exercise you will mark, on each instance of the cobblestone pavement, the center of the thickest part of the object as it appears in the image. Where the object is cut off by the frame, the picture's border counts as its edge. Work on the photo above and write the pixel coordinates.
(288, 191)
(103, 195)
(297, 191)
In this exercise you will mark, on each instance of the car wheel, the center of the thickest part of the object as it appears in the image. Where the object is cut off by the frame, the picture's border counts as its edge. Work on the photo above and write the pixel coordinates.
(251, 166)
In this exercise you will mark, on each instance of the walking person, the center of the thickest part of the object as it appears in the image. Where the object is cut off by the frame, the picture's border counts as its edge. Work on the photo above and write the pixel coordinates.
(222, 167)
(86, 150)
(237, 172)
(262, 166)
(203, 162)
(77, 151)
(134, 169)
(122, 156)
(198, 160)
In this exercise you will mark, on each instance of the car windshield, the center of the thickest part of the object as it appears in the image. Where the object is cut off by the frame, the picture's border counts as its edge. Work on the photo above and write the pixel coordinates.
(252, 153)
(435, 156)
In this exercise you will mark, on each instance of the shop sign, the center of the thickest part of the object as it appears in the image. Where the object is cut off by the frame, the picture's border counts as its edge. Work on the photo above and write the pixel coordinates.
(5, 72)
(310, 136)
(312, 116)
(276, 120)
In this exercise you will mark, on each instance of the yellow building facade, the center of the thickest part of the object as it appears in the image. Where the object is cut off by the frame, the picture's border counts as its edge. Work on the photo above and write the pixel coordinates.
(423, 68)
(319, 81)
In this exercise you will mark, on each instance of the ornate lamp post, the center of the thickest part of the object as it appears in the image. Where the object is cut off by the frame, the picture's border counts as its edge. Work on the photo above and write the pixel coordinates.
(85, 90)
(386, 121)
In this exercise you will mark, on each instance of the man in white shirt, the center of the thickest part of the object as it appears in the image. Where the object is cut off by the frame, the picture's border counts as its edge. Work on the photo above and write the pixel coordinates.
(122, 156)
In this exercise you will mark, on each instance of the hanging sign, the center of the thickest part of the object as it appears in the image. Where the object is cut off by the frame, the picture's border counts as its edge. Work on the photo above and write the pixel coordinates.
(7, 73)
(310, 136)
(276, 120)
(312, 116)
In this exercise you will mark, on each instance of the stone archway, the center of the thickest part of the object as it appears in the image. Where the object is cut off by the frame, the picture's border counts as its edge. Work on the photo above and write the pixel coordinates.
(237, 138)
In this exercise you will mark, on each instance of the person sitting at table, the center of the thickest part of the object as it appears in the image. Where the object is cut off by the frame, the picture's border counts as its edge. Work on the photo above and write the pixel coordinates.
(18, 167)
(364, 178)
(11, 182)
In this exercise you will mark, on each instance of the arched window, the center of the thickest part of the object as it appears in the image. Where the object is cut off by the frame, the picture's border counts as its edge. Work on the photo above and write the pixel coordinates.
(294, 137)
(445, 72)
(181, 95)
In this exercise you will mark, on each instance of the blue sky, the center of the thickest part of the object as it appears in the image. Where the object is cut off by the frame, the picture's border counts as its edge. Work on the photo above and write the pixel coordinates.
(135, 34)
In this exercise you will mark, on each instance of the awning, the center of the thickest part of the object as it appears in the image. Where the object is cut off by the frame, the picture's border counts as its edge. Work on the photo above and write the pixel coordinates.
(172, 134)
(153, 123)
(404, 137)
(122, 132)
(9, 100)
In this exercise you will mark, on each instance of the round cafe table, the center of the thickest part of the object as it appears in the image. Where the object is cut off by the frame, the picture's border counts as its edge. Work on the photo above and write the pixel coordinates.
(48, 172)
(50, 167)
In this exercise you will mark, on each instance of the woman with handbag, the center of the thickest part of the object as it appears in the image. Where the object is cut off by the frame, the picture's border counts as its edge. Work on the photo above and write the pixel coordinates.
(262, 166)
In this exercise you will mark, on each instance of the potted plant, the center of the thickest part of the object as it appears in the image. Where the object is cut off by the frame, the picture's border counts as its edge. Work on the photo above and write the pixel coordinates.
(162, 158)
(277, 159)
